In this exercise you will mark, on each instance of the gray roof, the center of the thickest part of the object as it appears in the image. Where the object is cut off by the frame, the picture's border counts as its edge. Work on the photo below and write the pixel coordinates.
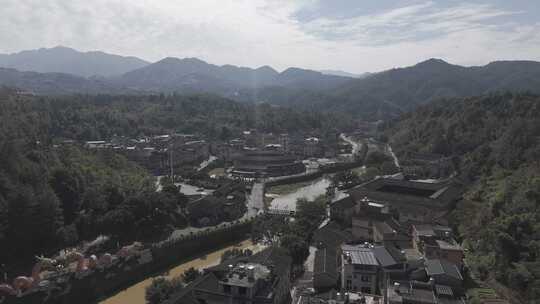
(424, 230)
(384, 257)
(326, 262)
(442, 267)
(360, 255)
(364, 258)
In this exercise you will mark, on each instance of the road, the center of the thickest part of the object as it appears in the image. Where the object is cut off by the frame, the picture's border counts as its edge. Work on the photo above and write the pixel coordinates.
(207, 162)
(354, 144)
(389, 149)
(255, 200)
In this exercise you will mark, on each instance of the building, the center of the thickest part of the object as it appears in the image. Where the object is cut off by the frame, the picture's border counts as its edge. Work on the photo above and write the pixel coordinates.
(312, 147)
(342, 210)
(415, 202)
(336, 297)
(426, 165)
(263, 278)
(325, 269)
(359, 269)
(331, 235)
(417, 292)
(260, 163)
(445, 273)
(226, 203)
(390, 233)
(437, 242)
(365, 214)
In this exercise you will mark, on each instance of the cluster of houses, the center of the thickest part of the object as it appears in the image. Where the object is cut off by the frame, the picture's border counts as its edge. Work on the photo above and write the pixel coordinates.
(258, 154)
(388, 242)
(253, 154)
(158, 153)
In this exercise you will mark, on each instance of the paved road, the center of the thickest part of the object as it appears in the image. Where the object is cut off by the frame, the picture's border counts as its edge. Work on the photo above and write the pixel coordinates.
(389, 149)
(356, 146)
(255, 200)
(207, 162)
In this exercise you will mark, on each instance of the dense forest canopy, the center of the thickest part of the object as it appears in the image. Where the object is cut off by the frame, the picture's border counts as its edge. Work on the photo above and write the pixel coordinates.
(87, 117)
(495, 142)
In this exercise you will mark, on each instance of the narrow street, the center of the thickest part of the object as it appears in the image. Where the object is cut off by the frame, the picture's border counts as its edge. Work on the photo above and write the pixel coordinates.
(354, 144)
(255, 200)
(389, 149)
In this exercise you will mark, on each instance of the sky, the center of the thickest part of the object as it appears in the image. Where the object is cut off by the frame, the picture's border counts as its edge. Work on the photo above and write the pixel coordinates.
(350, 35)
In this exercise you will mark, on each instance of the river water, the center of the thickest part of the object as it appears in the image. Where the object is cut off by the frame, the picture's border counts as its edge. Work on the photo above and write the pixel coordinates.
(135, 293)
(287, 202)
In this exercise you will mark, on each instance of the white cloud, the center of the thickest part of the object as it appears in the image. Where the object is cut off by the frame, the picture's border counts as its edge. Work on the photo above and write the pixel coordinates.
(259, 32)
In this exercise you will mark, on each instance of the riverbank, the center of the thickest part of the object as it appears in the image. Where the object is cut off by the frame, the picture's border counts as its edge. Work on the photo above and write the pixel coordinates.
(135, 293)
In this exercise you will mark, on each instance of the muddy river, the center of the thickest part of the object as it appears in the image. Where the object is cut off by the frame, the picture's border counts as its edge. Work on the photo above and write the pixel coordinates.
(135, 293)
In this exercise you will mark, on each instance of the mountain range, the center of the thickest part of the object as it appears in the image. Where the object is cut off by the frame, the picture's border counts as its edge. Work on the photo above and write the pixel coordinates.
(400, 90)
(379, 96)
(66, 60)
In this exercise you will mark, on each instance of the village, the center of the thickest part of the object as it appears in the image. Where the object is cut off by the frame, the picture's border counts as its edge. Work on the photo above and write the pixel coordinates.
(384, 239)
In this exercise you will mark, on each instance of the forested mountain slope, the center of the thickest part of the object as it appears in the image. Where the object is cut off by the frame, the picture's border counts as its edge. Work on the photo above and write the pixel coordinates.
(389, 93)
(495, 140)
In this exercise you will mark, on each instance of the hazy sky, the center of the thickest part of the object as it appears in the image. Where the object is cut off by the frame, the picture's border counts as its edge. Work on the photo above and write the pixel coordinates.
(351, 35)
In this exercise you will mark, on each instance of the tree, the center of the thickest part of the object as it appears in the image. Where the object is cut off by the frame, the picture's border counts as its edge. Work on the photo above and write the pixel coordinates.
(377, 158)
(297, 247)
(161, 289)
(69, 188)
(190, 275)
(235, 253)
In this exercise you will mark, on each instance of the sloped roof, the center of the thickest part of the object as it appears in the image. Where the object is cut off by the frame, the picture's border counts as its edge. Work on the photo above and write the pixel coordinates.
(363, 257)
(442, 267)
(326, 262)
(385, 256)
(331, 235)
(344, 203)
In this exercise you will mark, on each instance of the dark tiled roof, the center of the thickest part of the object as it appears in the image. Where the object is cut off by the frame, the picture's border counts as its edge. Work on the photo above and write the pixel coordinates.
(394, 190)
(331, 235)
(325, 262)
(344, 203)
(185, 295)
(384, 257)
(424, 230)
(442, 267)
(209, 282)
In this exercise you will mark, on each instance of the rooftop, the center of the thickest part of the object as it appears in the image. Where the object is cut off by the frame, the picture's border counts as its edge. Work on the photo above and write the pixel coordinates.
(359, 255)
(404, 191)
(442, 267)
(245, 275)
